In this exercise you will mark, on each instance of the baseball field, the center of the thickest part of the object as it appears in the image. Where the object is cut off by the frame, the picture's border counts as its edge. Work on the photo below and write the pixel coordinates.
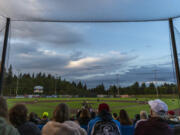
(131, 105)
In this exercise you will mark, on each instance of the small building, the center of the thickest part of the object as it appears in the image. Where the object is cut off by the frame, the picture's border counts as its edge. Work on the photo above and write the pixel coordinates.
(102, 96)
(65, 96)
(125, 96)
(38, 89)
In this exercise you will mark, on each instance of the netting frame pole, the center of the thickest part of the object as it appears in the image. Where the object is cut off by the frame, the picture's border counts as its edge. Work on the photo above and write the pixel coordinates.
(4, 51)
(176, 63)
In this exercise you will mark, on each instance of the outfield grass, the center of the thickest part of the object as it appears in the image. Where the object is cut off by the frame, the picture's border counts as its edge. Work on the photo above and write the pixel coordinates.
(76, 103)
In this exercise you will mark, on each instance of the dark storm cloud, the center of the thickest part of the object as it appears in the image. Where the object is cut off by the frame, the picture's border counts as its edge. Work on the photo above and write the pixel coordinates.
(47, 33)
(34, 46)
(105, 64)
(23, 48)
(29, 59)
(40, 63)
(150, 73)
(141, 74)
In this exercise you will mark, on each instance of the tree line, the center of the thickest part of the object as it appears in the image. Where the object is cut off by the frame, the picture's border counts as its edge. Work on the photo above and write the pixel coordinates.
(24, 84)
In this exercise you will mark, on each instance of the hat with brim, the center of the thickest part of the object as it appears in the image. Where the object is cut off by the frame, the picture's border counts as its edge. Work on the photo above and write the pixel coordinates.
(158, 105)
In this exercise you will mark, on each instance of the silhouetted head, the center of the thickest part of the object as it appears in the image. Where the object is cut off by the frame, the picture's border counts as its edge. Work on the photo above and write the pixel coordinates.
(84, 113)
(115, 115)
(61, 113)
(143, 115)
(3, 108)
(124, 118)
(18, 114)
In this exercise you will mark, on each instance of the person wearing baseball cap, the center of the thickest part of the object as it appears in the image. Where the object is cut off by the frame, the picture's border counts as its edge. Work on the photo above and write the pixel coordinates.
(172, 118)
(44, 119)
(100, 124)
(156, 125)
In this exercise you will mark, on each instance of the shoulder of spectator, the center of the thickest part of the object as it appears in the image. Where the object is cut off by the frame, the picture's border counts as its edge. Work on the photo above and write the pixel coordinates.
(117, 122)
(91, 124)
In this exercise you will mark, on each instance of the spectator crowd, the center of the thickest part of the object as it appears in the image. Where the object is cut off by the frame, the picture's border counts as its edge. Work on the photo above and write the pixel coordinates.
(159, 121)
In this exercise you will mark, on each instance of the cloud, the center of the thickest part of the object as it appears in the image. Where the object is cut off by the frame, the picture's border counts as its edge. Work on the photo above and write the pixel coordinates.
(20, 47)
(90, 68)
(73, 65)
(47, 34)
(151, 73)
(52, 47)
(40, 63)
(84, 62)
(141, 74)
(21, 9)
(90, 9)
(100, 64)
(76, 55)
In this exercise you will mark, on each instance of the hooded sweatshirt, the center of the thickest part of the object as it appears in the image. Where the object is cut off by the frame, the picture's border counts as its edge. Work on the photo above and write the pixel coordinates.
(66, 128)
(153, 126)
(7, 129)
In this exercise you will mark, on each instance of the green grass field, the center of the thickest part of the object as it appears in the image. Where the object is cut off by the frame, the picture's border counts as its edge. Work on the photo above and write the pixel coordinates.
(40, 105)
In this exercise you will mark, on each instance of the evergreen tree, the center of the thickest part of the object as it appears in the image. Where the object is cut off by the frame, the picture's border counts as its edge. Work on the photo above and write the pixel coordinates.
(143, 88)
(135, 88)
(80, 85)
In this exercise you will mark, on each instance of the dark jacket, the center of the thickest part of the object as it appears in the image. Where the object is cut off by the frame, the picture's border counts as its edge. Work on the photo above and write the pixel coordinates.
(29, 128)
(35, 121)
(44, 121)
(153, 126)
(84, 120)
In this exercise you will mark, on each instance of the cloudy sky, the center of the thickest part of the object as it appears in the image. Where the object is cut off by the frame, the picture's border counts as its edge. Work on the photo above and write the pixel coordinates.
(109, 53)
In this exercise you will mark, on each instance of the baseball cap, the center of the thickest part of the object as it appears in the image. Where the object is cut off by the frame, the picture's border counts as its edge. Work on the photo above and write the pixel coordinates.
(45, 114)
(171, 112)
(103, 106)
(158, 105)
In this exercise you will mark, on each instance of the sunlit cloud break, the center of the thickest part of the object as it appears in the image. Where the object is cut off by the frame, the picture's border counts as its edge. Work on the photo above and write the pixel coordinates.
(82, 62)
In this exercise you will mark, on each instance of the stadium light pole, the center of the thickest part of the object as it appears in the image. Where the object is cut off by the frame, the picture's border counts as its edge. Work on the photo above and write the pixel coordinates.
(118, 84)
(55, 84)
(176, 63)
(4, 51)
(155, 80)
(17, 83)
